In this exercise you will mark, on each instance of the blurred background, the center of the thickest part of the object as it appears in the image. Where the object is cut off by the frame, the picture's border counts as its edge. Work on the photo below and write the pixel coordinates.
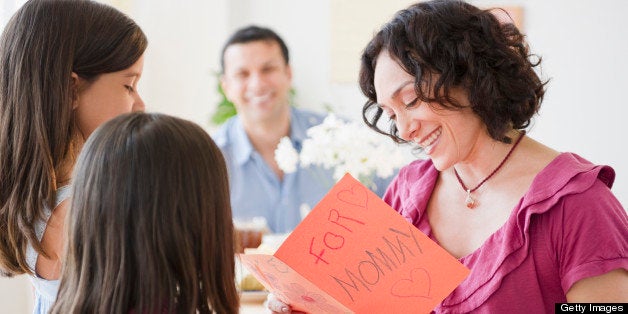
(583, 43)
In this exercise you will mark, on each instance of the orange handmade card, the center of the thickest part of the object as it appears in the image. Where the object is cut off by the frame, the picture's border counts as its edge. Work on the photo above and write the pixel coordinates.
(354, 254)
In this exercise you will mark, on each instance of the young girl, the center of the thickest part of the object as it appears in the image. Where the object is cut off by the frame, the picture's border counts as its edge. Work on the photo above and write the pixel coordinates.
(66, 66)
(150, 227)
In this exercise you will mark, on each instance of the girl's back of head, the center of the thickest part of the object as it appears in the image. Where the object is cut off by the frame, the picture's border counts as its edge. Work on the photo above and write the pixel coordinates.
(150, 226)
(44, 43)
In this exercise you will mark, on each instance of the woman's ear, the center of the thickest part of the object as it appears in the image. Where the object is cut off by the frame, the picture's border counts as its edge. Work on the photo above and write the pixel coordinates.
(75, 89)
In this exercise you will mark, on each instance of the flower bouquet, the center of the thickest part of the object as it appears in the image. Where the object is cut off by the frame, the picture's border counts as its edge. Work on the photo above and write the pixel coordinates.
(344, 147)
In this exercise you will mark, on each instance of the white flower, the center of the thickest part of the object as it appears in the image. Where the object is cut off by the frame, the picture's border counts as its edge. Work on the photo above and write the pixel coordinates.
(345, 147)
(286, 156)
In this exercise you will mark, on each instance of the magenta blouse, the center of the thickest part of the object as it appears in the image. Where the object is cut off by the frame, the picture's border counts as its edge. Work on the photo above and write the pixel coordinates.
(567, 227)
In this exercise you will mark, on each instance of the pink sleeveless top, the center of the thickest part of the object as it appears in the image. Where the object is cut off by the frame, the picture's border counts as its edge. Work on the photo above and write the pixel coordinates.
(567, 227)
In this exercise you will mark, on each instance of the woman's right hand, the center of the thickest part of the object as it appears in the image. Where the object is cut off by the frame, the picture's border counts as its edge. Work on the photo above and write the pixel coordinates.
(278, 307)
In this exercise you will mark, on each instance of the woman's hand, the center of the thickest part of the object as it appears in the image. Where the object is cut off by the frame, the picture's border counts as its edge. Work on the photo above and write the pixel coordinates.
(276, 306)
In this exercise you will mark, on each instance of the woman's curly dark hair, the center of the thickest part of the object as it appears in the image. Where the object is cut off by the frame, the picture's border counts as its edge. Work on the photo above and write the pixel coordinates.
(447, 44)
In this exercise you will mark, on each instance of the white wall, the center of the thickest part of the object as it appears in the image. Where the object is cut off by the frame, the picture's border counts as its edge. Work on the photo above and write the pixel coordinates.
(16, 295)
(182, 55)
(583, 44)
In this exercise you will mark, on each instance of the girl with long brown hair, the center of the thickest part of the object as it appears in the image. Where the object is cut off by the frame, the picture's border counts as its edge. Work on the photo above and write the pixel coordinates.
(66, 66)
(149, 229)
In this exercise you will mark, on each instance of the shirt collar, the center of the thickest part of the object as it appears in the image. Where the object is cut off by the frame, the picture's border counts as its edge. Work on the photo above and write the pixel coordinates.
(243, 149)
(298, 128)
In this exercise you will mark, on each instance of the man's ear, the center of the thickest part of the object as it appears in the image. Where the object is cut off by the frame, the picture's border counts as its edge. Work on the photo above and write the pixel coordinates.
(75, 84)
(224, 84)
(289, 72)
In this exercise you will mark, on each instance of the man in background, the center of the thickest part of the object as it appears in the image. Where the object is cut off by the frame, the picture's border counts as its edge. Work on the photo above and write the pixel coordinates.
(257, 78)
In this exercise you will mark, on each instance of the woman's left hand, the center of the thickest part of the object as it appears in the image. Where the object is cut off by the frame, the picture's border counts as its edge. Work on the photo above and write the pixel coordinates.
(278, 307)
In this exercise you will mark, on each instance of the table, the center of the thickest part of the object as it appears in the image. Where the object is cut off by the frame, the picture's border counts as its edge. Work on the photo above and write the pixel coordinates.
(250, 307)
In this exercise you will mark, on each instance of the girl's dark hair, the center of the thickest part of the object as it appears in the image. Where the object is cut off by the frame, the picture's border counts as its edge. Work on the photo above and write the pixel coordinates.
(150, 227)
(43, 43)
(447, 44)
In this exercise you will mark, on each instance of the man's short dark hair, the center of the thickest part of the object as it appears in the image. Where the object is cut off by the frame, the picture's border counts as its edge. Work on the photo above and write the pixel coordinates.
(254, 33)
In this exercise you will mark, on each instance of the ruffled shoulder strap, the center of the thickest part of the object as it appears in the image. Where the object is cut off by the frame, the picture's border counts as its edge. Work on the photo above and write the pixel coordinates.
(566, 174)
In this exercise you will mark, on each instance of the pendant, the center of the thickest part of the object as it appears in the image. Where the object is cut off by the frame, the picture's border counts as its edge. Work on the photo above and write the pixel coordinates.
(469, 201)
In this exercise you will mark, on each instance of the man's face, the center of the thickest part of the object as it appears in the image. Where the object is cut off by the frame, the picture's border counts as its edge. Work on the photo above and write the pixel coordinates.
(257, 80)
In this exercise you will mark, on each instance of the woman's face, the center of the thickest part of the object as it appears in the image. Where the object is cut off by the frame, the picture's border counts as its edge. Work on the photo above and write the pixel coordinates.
(109, 95)
(447, 136)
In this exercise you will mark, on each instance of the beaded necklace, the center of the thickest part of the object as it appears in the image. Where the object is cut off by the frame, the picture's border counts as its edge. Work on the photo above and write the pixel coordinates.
(470, 201)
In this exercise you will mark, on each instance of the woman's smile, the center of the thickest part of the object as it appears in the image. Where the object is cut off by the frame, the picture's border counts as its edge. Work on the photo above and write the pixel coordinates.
(429, 142)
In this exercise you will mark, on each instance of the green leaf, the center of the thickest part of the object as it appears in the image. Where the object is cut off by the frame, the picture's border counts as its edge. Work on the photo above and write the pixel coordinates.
(225, 108)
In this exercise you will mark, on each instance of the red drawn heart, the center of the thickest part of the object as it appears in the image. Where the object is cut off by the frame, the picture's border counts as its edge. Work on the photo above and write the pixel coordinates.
(356, 196)
(417, 286)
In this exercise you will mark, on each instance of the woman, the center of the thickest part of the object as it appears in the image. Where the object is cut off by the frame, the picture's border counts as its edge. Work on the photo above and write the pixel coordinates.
(535, 226)
(65, 67)
(149, 230)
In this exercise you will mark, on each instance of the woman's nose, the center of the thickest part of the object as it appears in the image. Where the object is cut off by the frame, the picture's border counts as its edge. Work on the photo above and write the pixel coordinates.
(407, 126)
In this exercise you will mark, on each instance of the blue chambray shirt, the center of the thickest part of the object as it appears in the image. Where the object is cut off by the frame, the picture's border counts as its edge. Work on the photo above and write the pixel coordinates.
(256, 190)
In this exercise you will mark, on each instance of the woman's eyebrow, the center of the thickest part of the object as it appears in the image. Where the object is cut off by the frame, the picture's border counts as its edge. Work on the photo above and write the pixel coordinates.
(398, 90)
(131, 74)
